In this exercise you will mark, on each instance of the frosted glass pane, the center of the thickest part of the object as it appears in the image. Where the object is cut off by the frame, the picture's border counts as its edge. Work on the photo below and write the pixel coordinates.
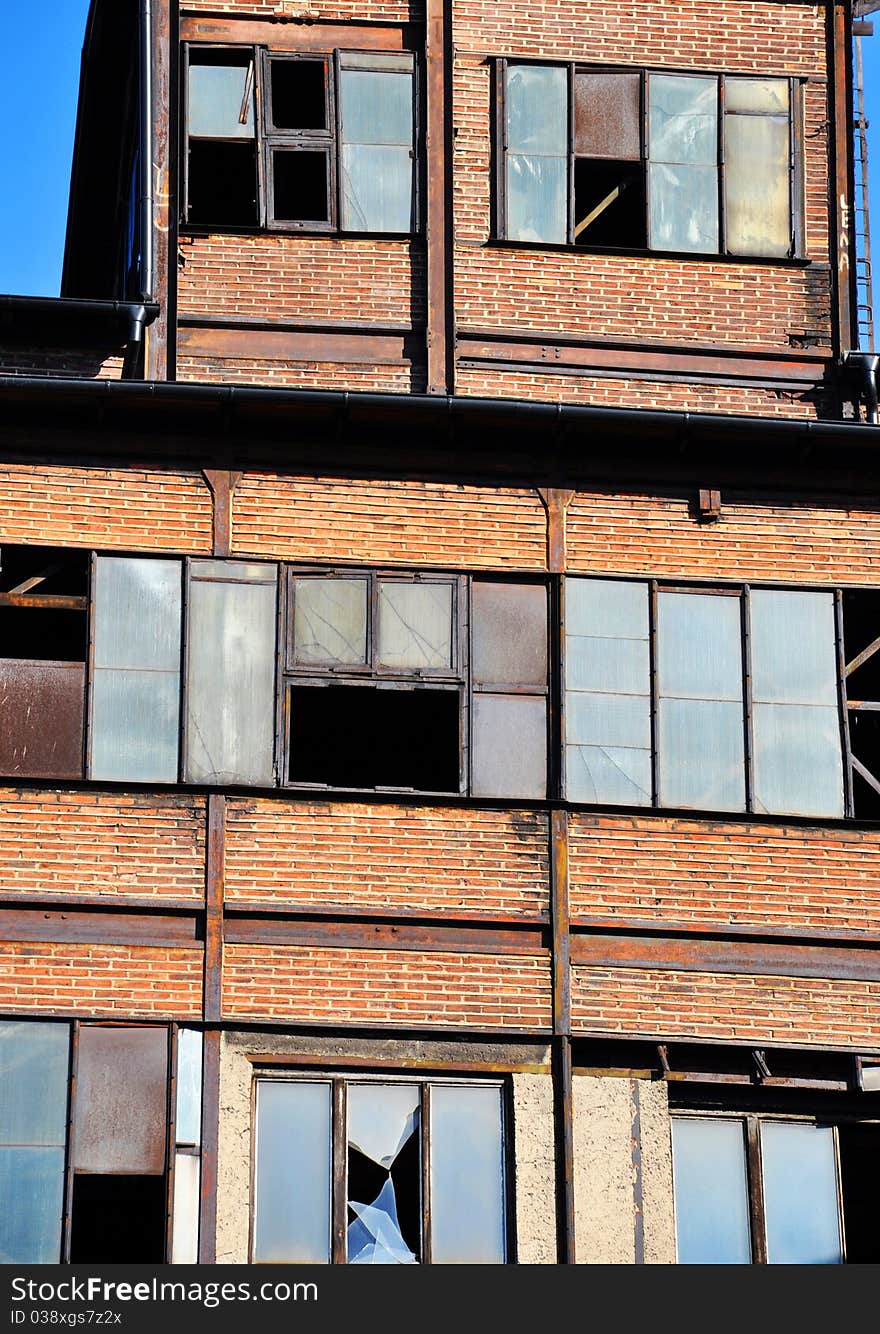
(797, 760)
(793, 648)
(800, 1195)
(756, 185)
(381, 1118)
(215, 98)
(33, 1082)
(537, 198)
(293, 1173)
(377, 107)
(699, 646)
(711, 1194)
(509, 629)
(608, 720)
(376, 188)
(510, 746)
(31, 1197)
(683, 212)
(701, 755)
(330, 620)
(612, 609)
(682, 119)
(185, 1228)
(614, 665)
(231, 683)
(135, 725)
(415, 625)
(768, 95)
(467, 1176)
(537, 109)
(137, 613)
(188, 1116)
(608, 774)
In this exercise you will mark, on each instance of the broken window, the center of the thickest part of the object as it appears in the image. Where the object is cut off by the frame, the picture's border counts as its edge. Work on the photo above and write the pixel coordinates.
(230, 674)
(627, 159)
(43, 643)
(756, 1189)
(308, 142)
(379, 1172)
(374, 681)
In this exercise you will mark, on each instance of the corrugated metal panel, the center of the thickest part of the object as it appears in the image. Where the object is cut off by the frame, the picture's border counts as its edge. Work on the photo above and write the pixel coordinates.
(120, 1111)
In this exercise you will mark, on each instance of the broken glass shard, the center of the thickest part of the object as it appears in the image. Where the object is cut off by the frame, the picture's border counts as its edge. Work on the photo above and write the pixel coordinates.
(381, 1118)
(375, 1238)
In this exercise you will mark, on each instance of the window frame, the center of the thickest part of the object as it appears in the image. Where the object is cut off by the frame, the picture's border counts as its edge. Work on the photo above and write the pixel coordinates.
(339, 1081)
(797, 204)
(268, 139)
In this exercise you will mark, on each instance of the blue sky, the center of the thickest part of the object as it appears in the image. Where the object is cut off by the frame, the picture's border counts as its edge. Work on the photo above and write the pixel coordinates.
(38, 117)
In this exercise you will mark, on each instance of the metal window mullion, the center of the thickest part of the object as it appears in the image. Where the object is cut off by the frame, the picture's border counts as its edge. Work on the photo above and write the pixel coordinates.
(838, 1176)
(755, 1176)
(501, 163)
(427, 1234)
(339, 1187)
(748, 732)
(183, 755)
(655, 705)
(67, 1219)
(170, 1140)
(845, 739)
(570, 222)
(646, 152)
(90, 669)
(184, 133)
(373, 625)
(792, 169)
(261, 83)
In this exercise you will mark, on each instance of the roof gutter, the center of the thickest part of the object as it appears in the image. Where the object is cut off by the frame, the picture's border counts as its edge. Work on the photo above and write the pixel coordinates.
(41, 316)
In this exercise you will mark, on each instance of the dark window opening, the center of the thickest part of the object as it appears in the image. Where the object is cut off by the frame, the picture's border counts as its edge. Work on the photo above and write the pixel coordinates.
(298, 95)
(366, 737)
(118, 1220)
(43, 634)
(861, 640)
(37, 570)
(861, 628)
(393, 1190)
(222, 183)
(864, 740)
(859, 1184)
(300, 186)
(609, 204)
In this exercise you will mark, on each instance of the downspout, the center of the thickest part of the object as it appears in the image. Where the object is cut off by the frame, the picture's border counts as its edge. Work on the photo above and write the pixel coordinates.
(866, 365)
(145, 202)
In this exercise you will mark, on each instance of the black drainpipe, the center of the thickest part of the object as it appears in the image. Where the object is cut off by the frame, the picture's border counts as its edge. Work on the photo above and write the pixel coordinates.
(866, 365)
(145, 46)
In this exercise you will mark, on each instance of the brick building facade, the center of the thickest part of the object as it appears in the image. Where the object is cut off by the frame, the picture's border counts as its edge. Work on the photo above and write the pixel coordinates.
(438, 533)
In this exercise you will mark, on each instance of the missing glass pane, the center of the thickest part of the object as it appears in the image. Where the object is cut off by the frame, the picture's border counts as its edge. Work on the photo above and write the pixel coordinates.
(860, 1188)
(299, 97)
(300, 186)
(222, 183)
(384, 1174)
(861, 629)
(609, 204)
(118, 1220)
(366, 737)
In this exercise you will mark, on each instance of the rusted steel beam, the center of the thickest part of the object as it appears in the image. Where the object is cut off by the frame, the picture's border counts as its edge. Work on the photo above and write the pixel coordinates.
(306, 345)
(563, 1106)
(242, 930)
(44, 601)
(839, 46)
(214, 886)
(556, 502)
(679, 927)
(438, 212)
(281, 906)
(560, 918)
(222, 483)
(156, 335)
(305, 35)
(210, 1136)
(109, 926)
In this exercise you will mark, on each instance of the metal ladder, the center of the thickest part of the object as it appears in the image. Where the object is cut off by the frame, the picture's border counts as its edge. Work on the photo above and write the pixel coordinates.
(861, 209)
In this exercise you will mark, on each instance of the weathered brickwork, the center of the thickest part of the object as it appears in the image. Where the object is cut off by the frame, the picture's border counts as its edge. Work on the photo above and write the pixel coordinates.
(397, 523)
(709, 873)
(97, 843)
(376, 858)
(391, 11)
(407, 988)
(657, 535)
(131, 508)
(101, 979)
(404, 379)
(781, 1010)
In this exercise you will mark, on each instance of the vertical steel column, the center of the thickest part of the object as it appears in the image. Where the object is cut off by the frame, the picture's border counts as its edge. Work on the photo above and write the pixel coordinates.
(438, 213)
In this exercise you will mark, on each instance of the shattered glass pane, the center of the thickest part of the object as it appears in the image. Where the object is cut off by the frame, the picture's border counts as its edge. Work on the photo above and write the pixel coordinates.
(330, 621)
(467, 1175)
(384, 1174)
(415, 625)
(608, 773)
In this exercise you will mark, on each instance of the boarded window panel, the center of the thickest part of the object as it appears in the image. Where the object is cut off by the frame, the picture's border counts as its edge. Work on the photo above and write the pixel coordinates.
(683, 210)
(756, 185)
(510, 746)
(330, 621)
(682, 119)
(31, 1205)
(188, 1117)
(536, 101)
(120, 1108)
(509, 634)
(467, 1176)
(33, 1083)
(293, 1173)
(231, 679)
(41, 718)
(798, 769)
(415, 625)
(800, 1194)
(185, 1225)
(607, 116)
(218, 107)
(711, 1194)
(770, 96)
(537, 198)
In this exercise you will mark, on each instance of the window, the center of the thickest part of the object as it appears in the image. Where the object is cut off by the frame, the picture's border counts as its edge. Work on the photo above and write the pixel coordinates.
(304, 142)
(379, 1171)
(691, 163)
(720, 700)
(762, 1190)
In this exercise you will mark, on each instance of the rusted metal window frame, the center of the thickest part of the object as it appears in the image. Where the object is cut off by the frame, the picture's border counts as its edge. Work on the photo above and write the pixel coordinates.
(796, 187)
(259, 188)
(315, 140)
(339, 1084)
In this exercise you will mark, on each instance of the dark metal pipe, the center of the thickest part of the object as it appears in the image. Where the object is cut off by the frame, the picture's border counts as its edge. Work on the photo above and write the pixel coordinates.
(145, 203)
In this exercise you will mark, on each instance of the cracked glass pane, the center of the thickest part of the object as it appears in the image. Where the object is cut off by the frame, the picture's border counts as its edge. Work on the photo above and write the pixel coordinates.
(415, 625)
(467, 1175)
(608, 773)
(330, 621)
(384, 1174)
(683, 119)
(293, 1172)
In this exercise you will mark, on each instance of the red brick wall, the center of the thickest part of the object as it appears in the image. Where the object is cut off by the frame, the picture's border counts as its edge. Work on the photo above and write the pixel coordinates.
(366, 377)
(400, 987)
(95, 843)
(620, 534)
(398, 523)
(101, 979)
(448, 860)
(392, 11)
(716, 874)
(132, 508)
(782, 1010)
